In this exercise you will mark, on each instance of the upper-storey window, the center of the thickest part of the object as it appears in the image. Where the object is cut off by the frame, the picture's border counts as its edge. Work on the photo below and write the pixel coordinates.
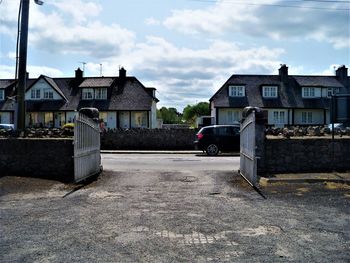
(35, 93)
(101, 94)
(332, 91)
(270, 91)
(2, 94)
(311, 92)
(88, 94)
(237, 91)
(48, 94)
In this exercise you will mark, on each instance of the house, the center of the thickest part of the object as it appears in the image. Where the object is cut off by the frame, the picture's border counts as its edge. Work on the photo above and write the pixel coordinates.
(123, 101)
(288, 99)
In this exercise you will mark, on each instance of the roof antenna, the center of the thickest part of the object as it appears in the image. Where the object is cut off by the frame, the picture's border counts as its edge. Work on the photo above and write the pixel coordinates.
(84, 63)
(100, 69)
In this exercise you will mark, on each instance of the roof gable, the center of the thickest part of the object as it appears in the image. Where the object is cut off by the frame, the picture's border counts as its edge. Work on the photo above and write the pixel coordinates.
(50, 83)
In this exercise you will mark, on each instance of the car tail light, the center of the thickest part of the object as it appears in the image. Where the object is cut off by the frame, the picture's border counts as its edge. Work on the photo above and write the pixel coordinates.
(200, 136)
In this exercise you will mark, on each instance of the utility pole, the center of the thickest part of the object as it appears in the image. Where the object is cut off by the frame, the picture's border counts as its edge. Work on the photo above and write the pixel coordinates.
(22, 65)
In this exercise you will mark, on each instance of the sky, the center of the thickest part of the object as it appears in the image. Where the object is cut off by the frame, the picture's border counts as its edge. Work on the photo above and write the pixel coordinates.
(186, 49)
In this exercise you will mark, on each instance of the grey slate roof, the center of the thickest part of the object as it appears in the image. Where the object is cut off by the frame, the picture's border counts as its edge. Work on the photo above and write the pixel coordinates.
(128, 95)
(96, 82)
(289, 94)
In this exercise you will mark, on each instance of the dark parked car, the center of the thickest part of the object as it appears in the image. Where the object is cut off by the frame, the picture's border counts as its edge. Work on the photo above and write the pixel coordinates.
(216, 138)
(7, 127)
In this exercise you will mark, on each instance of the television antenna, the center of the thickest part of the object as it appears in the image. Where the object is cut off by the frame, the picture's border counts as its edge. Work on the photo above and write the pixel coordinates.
(84, 63)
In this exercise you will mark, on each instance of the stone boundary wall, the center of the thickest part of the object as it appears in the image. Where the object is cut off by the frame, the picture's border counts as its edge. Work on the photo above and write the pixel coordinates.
(148, 139)
(299, 155)
(41, 158)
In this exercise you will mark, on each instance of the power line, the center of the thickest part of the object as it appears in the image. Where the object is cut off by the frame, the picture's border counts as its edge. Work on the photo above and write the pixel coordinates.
(276, 5)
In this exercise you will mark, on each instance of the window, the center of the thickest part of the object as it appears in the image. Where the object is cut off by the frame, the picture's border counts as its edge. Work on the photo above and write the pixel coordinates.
(35, 94)
(139, 119)
(278, 117)
(233, 116)
(101, 94)
(270, 91)
(332, 91)
(306, 117)
(48, 94)
(236, 91)
(88, 94)
(48, 119)
(2, 94)
(311, 92)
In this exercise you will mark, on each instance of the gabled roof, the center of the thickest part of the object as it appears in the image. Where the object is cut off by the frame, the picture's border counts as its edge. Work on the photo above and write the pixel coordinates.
(51, 82)
(289, 94)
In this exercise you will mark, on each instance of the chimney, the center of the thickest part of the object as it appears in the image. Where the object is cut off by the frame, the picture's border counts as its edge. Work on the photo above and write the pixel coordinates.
(27, 75)
(79, 74)
(122, 74)
(342, 74)
(283, 73)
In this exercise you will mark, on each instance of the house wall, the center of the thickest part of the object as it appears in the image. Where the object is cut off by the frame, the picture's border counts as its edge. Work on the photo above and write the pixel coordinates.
(317, 116)
(5, 117)
(41, 85)
(305, 155)
(153, 116)
(43, 158)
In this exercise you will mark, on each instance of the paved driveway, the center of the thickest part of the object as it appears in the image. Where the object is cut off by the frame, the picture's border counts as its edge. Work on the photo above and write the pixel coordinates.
(171, 208)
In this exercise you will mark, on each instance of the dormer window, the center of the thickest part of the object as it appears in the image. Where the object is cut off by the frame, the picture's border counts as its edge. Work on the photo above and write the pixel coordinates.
(237, 91)
(269, 91)
(35, 94)
(311, 92)
(48, 94)
(2, 94)
(88, 94)
(101, 94)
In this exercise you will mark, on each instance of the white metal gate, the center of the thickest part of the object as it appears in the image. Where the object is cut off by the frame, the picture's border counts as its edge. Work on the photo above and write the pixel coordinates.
(87, 158)
(248, 159)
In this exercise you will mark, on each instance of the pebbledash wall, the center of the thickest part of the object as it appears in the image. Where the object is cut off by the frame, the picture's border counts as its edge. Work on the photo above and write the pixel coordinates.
(41, 158)
(298, 155)
(148, 139)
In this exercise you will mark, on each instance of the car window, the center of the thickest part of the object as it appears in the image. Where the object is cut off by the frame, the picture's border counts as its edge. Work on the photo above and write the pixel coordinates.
(207, 131)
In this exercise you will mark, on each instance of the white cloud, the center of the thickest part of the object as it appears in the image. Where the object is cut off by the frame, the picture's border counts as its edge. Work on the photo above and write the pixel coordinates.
(69, 27)
(225, 17)
(151, 21)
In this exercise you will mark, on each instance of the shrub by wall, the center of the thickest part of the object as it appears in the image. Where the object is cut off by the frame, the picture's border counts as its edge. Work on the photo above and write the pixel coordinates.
(42, 158)
(148, 139)
(297, 155)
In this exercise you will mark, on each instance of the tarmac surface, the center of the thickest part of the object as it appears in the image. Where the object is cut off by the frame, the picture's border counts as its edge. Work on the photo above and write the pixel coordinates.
(171, 212)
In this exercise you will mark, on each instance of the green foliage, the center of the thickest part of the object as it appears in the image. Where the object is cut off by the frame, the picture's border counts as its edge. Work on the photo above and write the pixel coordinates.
(169, 115)
(191, 112)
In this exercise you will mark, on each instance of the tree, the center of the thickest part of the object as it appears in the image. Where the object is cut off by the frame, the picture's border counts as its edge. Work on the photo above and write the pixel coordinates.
(169, 115)
(191, 112)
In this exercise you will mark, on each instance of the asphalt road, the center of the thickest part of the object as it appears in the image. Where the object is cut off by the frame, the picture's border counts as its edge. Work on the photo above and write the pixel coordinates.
(172, 208)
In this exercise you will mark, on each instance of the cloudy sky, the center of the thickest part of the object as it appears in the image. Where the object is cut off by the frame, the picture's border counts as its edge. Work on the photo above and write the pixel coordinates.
(185, 48)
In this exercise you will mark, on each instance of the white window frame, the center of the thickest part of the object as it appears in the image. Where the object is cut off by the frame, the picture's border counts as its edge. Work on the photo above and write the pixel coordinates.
(308, 92)
(306, 117)
(35, 93)
(85, 94)
(2, 94)
(48, 94)
(237, 91)
(270, 92)
(332, 91)
(101, 93)
(279, 117)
